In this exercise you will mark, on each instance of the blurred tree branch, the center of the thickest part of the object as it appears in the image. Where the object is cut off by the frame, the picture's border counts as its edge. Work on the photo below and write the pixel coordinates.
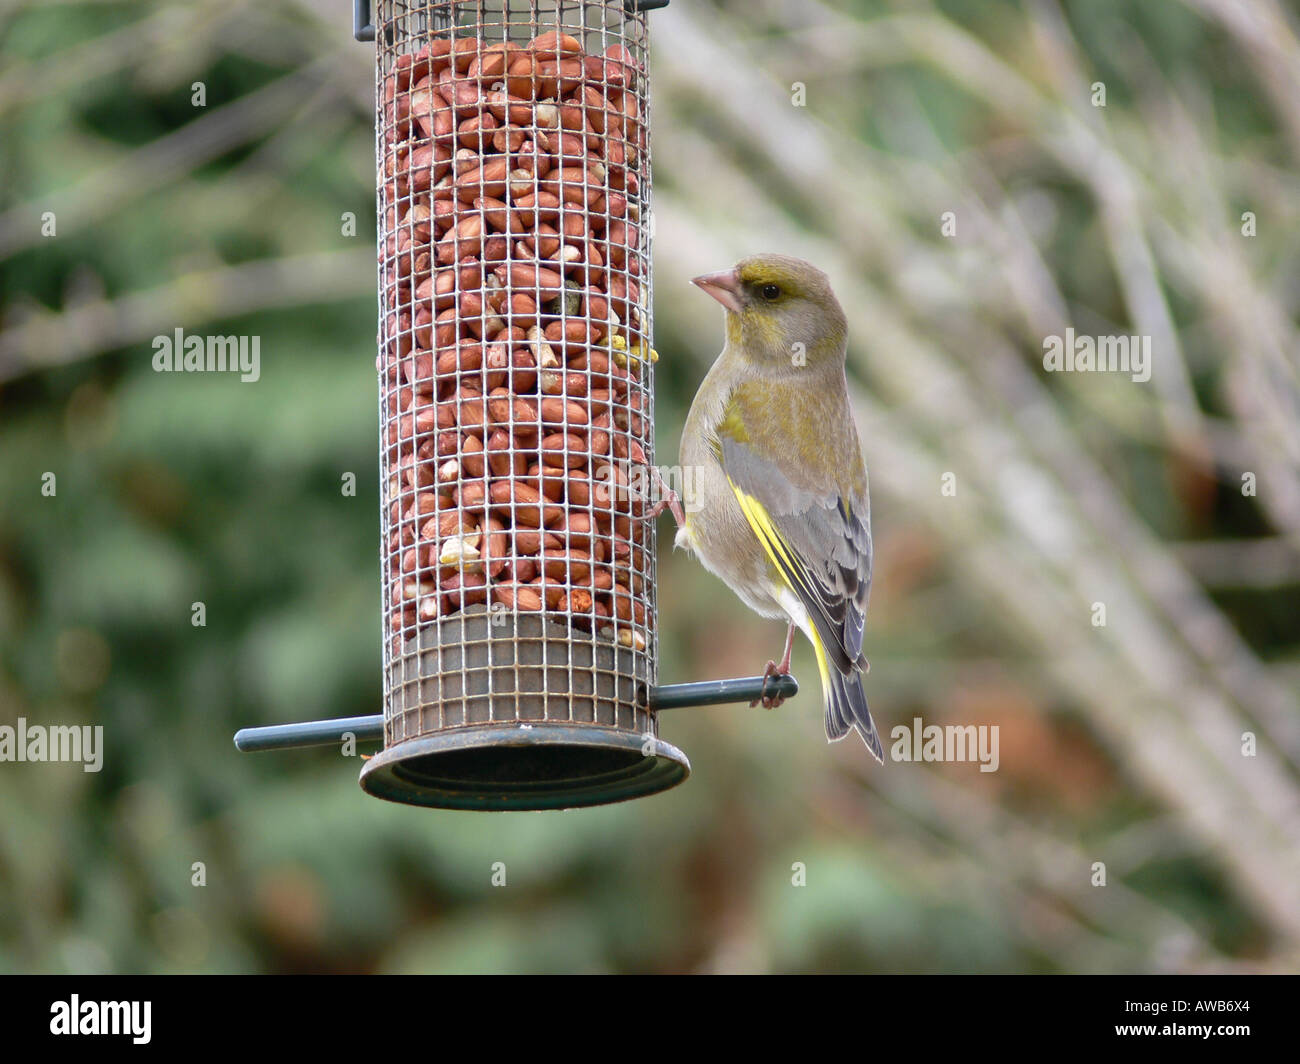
(50, 339)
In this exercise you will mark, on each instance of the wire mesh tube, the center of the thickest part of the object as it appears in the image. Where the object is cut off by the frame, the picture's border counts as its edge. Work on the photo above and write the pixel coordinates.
(516, 399)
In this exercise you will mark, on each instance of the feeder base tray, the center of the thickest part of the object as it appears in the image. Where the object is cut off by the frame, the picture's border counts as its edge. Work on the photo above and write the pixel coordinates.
(507, 766)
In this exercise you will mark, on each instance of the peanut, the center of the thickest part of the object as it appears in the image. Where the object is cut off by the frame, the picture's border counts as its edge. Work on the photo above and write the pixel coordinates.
(517, 596)
(564, 449)
(521, 503)
(512, 262)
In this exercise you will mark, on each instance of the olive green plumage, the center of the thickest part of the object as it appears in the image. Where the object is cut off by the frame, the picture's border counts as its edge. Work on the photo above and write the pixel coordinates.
(779, 508)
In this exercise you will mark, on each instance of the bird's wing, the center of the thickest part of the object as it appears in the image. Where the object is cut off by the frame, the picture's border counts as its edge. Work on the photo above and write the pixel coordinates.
(819, 540)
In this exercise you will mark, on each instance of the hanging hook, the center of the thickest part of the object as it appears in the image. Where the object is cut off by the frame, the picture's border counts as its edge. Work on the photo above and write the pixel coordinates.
(362, 28)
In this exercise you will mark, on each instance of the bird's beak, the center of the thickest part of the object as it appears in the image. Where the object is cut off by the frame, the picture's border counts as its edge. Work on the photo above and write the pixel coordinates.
(724, 286)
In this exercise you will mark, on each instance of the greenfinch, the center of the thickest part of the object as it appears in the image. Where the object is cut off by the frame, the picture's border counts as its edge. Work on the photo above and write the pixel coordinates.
(780, 508)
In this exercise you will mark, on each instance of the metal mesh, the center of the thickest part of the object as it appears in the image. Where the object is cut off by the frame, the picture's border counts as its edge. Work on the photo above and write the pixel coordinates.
(516, 404)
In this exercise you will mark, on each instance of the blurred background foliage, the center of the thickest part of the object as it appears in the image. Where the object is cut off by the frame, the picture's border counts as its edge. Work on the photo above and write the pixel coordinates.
(1120, 744)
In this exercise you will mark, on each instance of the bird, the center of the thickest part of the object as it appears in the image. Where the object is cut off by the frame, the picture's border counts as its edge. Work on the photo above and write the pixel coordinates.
(779, 507)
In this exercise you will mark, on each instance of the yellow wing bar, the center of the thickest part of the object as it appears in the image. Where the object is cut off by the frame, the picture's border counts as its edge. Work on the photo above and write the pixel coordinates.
(787, 564)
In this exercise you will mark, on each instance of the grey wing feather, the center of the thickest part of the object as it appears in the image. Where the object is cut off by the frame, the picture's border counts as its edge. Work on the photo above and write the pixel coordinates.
(830, 538)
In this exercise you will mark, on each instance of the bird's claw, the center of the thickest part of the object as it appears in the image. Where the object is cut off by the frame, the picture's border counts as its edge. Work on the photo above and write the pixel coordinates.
(668, 500)
(770, 701)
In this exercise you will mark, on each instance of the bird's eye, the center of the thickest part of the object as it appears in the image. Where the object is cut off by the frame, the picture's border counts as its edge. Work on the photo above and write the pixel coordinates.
(770, 292)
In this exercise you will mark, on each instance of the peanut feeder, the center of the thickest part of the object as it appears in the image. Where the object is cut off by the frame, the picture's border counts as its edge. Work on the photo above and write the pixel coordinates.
(516, 411)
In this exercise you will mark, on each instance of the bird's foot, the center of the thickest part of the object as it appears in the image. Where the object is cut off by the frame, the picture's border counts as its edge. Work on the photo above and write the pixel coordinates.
(773, 669)
(668, 500)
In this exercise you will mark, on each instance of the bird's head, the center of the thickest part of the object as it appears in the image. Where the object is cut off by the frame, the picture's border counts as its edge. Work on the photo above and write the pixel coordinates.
(780, 312)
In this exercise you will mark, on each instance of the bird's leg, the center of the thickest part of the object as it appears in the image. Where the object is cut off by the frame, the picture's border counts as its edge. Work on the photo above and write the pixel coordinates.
(784, 668)
(774, 669)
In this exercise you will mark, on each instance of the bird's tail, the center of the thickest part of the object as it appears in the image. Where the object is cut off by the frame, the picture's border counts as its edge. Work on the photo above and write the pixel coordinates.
(846, 704)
